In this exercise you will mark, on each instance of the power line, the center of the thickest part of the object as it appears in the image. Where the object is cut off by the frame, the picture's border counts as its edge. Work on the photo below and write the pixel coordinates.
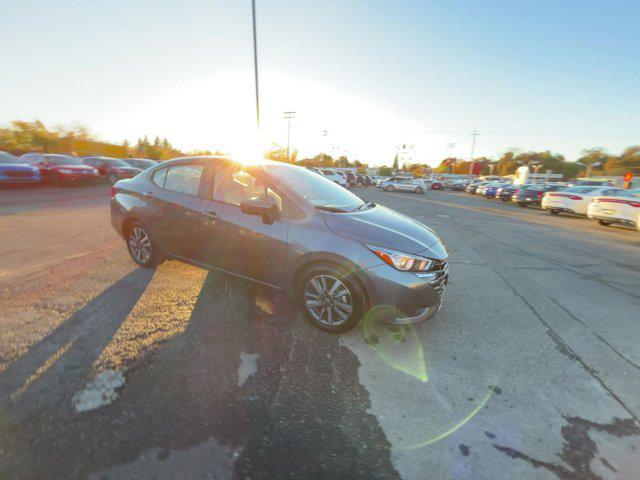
(255, 62)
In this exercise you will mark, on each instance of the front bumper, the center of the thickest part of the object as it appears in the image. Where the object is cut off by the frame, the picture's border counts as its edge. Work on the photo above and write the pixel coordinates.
(403, 297)
(7, 180)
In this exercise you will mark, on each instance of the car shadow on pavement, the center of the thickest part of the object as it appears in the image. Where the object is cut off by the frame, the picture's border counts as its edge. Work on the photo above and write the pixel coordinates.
(267, 415)
(60, 363)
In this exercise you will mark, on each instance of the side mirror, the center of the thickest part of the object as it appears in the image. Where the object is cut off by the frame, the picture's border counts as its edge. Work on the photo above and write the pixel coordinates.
(257, 206)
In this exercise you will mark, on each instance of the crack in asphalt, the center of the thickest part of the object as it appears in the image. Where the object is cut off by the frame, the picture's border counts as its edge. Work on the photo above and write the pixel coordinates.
(579, 449)
(565, 349)
(596, 334)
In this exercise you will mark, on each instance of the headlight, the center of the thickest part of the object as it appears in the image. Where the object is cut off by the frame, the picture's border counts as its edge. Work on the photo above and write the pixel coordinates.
(402, 261)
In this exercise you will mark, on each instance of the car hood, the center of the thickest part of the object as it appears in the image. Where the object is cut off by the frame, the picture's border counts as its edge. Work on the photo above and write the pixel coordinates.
(383, 227)
(17, 167)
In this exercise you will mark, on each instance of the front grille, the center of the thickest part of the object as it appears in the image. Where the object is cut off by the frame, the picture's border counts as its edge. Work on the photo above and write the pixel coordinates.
(442, 276)
(18, 173)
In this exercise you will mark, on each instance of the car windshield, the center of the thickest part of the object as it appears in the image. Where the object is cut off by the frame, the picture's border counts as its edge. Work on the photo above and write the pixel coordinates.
(116, 162)
(63, 160)
(582, 189)
(140, 163)
(7, 158)
(318, 191)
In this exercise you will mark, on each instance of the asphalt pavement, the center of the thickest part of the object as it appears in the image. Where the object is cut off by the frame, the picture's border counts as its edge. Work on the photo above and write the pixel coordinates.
(531, 370)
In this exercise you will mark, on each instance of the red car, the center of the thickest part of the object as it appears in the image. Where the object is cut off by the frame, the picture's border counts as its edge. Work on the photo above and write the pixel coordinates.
(437, 186)
(113, 169)
(61, 169)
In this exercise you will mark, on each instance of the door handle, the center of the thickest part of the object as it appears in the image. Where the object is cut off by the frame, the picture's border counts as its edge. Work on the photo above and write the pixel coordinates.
(210, 215)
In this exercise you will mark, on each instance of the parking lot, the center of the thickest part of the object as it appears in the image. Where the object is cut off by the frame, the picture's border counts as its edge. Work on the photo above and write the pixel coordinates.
(530, 370)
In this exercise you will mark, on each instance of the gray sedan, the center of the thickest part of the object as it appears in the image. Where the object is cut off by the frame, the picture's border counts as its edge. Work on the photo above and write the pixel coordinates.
(402, 184)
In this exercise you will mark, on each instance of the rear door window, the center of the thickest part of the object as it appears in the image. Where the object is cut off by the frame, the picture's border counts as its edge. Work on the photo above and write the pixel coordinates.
(183, 179)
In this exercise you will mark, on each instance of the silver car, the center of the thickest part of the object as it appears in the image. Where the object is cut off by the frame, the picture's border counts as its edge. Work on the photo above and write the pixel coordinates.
(340, 259)
(402, 184)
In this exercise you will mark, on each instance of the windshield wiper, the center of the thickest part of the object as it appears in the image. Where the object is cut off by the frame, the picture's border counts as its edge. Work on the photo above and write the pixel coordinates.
(330, 209)
(365, 206)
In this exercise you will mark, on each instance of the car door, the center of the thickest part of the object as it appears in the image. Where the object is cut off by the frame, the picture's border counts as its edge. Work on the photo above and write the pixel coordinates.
(177, 198)
(238, 242)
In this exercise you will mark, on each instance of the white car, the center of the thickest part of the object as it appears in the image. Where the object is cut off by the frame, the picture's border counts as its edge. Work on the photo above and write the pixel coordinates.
(334, 177)
(575, 199)
(622, 208)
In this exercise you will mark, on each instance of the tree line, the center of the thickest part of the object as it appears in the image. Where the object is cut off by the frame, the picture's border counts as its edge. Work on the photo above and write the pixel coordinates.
(22, 137)
(597, 161)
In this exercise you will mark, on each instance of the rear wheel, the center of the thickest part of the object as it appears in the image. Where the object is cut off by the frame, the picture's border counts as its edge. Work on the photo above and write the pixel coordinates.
(604, 223)
(418, 190)
(554, 211)
(522, 204)
(141, 246)
(389, 188)
(332, 299)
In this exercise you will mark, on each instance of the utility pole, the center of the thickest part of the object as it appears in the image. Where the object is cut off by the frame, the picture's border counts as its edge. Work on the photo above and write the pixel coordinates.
(451, 164)
(474, 134)
(255, 62)
(289, 116)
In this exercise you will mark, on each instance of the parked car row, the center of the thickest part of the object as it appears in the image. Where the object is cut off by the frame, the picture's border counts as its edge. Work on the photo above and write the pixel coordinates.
(56, 169)
(596, 199)
(344, 178)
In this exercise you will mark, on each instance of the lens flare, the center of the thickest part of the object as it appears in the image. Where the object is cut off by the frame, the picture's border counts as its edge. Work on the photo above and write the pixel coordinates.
(398, 345)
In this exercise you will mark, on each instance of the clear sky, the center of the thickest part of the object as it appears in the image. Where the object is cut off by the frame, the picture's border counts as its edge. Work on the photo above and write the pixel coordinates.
(558, 75)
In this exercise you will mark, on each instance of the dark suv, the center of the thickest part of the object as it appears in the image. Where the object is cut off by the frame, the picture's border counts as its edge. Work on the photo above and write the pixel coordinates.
(112, 169)
(289, 228)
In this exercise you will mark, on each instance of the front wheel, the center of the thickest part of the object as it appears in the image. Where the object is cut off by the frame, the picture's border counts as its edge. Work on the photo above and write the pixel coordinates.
(554, 211)
(604, 223)
(418, 190)
(332, 299)
(521, 204)
(389, 188)
(141, 246)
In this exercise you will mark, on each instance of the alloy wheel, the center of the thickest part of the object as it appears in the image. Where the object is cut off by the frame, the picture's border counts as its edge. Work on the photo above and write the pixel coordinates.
(328, 300)
(140, 245)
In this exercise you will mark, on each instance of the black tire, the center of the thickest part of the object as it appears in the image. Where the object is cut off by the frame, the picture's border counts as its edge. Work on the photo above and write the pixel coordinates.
(521, 204)
(356, 296)
(554, 211)
(604, 223)
(503, 199)
(389, 188)
(152, 259)
(419, 190)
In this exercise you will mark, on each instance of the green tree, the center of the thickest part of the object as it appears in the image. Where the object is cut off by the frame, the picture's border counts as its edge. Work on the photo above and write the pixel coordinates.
(385, 171)
(629, 161)
(395, 163)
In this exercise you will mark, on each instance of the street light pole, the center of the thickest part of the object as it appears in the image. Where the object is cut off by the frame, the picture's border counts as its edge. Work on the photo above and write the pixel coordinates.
(289, 116)
(255, 62)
